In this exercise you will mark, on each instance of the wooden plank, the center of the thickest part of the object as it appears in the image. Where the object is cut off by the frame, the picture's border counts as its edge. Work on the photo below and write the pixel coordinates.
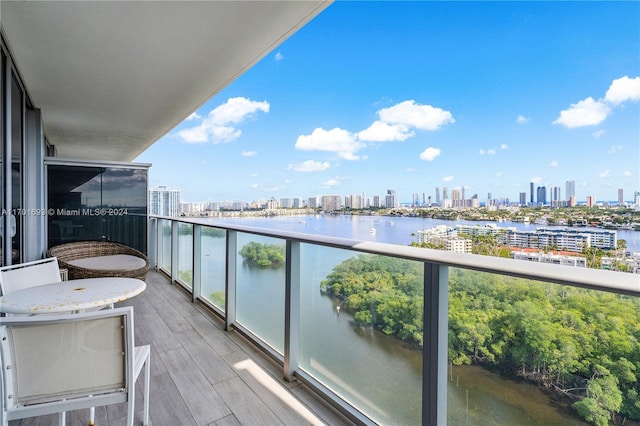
(166, 406)
(203, 401)
(245, 404)
(219, 340)
(272, 392)
(214, 368)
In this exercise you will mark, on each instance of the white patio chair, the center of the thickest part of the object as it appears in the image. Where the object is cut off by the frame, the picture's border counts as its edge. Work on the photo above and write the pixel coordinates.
(29, 274)
(57, 363)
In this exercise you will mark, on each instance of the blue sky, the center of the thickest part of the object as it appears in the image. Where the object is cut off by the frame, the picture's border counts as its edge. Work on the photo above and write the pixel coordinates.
(411, 96)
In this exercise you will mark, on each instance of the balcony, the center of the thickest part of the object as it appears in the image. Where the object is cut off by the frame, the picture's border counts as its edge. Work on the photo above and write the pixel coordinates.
(216, 359)
(286, 314)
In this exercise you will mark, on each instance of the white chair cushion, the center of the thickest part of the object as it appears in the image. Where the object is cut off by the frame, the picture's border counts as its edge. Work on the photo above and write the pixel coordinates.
(116, 262)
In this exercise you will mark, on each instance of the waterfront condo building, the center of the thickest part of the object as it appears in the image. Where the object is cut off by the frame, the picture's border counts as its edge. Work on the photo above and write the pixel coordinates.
(331, 203)
(164, 201)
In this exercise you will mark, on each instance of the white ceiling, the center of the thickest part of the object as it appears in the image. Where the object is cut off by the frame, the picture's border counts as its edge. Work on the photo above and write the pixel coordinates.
(112, 77)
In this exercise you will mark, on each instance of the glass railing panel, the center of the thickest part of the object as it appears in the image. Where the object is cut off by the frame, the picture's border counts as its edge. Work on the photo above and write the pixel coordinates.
(213, 266)
(260, 287)
(526, 352)
(164, 228)
(361, 330)
(185, 254)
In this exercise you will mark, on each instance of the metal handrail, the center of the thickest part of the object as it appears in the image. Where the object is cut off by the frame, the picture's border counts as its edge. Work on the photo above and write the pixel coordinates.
(594, 279)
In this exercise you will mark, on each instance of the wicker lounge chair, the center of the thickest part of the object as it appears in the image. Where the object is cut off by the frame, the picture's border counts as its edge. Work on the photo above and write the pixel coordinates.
(95, 259)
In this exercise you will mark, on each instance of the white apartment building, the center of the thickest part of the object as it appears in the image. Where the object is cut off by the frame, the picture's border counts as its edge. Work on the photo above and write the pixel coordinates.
(458, 244)
(354, 201)
(331, 203)
(313, 202)
(576, 261)
(164, 201)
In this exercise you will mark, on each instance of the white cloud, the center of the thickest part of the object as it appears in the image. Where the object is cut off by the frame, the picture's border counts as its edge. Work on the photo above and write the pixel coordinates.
(395, 123)
(194, 116)
(553, 164)
(410, 114)
(430, 154)
(447, 178)
(614, 148)
(587, 112)
(309, 166)
(410, 170)
(334, 140)
(622, 90)
(598, 133)
(491, 152)
(249, 153)
(604, 174)
(590, 112)
(536, 179)
(381, 131)
(330, 183)
(499, 174)
(481, 151)
(521, 119)
(504, 147)
(279, 56)
(627, 173)
(218, 127)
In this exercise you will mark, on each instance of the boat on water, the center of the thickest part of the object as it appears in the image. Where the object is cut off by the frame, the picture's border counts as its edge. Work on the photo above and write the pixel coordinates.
(372, 230)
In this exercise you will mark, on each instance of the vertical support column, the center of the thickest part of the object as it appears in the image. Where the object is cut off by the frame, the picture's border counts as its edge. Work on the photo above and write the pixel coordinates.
(6, 166)
(175, 241)
(230, 290)
(34, 225)
(197, 262)
(434, 350)
(292, 310)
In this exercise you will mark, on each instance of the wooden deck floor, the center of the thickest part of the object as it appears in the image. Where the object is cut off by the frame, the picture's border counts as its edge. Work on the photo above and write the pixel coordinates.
(202, 375)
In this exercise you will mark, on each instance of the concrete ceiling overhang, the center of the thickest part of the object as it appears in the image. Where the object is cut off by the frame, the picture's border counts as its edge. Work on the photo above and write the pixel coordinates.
(112, 77)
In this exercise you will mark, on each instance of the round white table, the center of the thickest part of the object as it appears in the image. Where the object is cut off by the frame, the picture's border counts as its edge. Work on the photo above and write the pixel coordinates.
(71, 296)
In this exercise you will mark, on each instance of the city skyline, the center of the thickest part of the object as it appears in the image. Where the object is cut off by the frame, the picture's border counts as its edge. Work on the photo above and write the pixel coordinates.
(417, 95)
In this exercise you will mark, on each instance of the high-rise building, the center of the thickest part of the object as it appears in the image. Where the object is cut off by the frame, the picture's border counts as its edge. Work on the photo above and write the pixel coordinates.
(164, 201)
(353, 201)
(286, 203)
(620, 197)
(445, 193)
(331, 203)
(391, 199)
(570, 189)
(542, 195)
(523, 198)
(531, 192)
(556, 197)
(438, 194)
(591, 200)
(313, 203)
(456, 201)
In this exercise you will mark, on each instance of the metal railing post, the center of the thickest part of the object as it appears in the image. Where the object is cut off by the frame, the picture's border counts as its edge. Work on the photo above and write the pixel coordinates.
(292, 309)
(197, 262)
(175, 240)
(435, 341)
(230, 281)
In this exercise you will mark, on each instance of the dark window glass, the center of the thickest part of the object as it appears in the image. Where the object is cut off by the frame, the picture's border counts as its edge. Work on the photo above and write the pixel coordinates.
(97, 203)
